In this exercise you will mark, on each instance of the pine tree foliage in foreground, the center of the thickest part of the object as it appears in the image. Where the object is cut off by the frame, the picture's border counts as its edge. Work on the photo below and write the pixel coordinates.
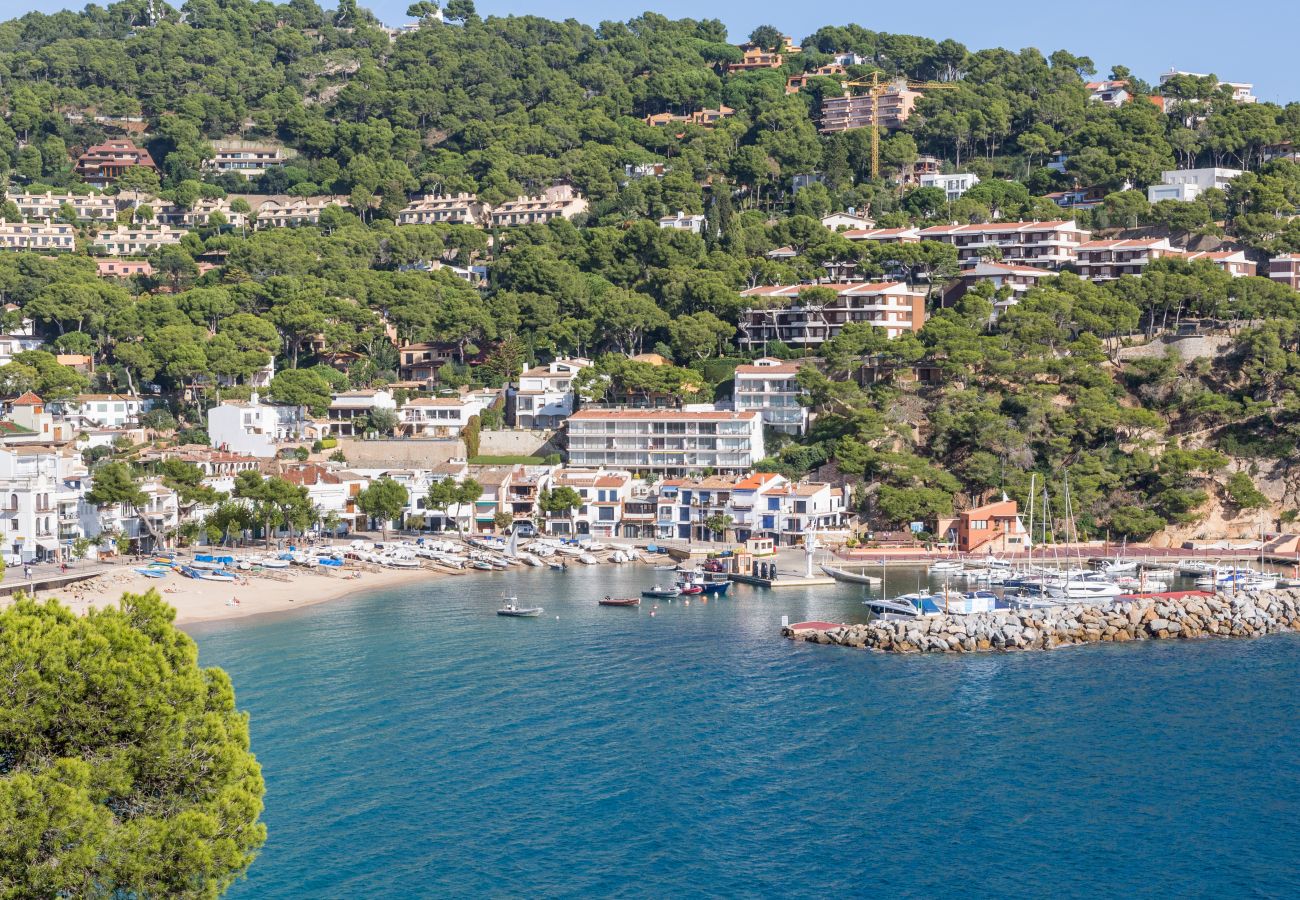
(125, 768)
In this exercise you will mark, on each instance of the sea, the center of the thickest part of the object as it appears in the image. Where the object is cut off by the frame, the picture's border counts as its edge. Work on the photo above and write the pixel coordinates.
(415, 744)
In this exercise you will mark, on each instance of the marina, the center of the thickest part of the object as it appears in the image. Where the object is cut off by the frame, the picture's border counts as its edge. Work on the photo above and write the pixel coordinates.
(378, 702)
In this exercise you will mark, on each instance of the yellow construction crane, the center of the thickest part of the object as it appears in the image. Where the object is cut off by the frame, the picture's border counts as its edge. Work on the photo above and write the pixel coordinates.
(875, 88)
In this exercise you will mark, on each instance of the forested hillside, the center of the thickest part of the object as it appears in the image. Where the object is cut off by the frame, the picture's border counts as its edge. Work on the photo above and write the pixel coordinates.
(501, 107)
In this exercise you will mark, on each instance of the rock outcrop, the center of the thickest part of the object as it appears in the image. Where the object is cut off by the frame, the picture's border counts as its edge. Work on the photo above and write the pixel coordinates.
(1192, 616)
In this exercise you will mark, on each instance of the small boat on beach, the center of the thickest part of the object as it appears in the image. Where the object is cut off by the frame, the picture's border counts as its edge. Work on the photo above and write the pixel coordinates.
(512, 609)
(664, 593)
(150, 572)
(620, 601)
(672, 567)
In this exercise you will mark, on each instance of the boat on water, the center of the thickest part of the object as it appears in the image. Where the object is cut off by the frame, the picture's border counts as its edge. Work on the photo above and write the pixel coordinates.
(668, 568)
(707, 582)
(691, 589)
(947, 565)
(515, 611)
(661, 593)
(1162, 574)
(620, 601)
(850, 577)
(1195, 567)
(1082, 589)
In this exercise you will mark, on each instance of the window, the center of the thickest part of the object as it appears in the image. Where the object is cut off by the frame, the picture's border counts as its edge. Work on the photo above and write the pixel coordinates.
(979, 524)
(773, 502)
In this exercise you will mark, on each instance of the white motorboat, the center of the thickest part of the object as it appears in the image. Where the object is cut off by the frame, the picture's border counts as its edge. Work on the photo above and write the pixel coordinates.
(512, 609)
(1164, 574)
(947, 565)
(1082, 589)
(1195, 567)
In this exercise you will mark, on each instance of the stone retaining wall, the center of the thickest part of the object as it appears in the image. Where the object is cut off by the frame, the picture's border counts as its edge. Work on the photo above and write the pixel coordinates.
(1042, 629)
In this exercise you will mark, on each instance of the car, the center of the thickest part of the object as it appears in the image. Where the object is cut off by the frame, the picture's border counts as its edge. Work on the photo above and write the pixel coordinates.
(524, 529)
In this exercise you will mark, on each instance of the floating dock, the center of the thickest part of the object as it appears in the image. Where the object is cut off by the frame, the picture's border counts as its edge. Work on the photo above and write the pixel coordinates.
(782, 581)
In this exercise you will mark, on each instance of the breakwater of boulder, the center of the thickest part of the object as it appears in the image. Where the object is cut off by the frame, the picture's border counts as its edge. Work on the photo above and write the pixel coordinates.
(1157, 618)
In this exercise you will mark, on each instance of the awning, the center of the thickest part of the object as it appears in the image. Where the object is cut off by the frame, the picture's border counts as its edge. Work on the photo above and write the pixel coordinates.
(48, 544)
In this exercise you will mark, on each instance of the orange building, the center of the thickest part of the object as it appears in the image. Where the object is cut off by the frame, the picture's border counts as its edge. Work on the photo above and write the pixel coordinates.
(991, 528)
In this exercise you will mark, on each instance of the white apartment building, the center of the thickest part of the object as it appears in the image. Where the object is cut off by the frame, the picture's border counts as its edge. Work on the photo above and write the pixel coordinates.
(1018, 280)
(441, 417)
(1186, 185)
(40, 501)
(146, 526)
(136, 240)
(349, 411)
(289, 212)
(1107, 260)
(198, 215)
(665, 441)
(440, 209)
(906, 235)
(254, 428)
(558, 201)
(847, 220)
(759, 504)
(53, 236)
(545, 397)
(247, 158)
(683, 222)
(782, 316)
(1046, 245)
(953, 186)
(1242, 91)
(13, 344)
(603, 493)
(104, 410)
(770, 387)
(88, 207)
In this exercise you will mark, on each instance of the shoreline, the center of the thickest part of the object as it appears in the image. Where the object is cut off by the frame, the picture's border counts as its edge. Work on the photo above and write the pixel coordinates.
(203, 602)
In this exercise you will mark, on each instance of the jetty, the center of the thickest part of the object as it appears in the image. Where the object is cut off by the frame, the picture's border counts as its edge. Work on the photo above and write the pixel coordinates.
(1182, 615)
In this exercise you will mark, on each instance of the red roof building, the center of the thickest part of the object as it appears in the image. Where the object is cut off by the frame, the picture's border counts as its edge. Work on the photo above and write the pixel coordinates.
(104, 163)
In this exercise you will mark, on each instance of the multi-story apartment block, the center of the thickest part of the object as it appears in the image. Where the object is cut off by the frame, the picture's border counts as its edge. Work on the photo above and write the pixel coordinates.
(421, 362)
(1234, 262)
(1242, 91)
(440, 209)
(49, 236)
(1285, 269)
(683, 222)
(787, 512)
(136, 240)
(770, 387)
(545, 397)
(756, 58)
(104, 410)
(41, 505)
(705, 118)
(247, 158)
(255, 428)
(856, 110)
(442, 417)
(783, 316)
(122, 268)
(1108, 260)
(1188, 184)
(104, 163)
(349, 412)
(906, 235)
(558, 201)
(87, 207)
(758, 504)
(1017, 279)
(953, 186)
(665, 441)
(289, 212)
(1047, 245)
(198, 215)
(603, 494)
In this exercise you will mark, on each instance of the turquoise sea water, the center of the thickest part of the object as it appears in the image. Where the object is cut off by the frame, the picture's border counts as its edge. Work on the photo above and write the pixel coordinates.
(416, 745)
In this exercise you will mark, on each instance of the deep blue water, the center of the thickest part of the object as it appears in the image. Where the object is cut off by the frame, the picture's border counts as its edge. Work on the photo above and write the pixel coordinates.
(415, 744)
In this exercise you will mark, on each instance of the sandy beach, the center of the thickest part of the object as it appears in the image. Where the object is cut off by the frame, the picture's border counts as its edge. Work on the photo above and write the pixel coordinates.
(205, 601)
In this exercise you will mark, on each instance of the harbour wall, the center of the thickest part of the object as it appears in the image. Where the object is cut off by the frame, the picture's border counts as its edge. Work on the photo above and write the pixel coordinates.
(1220, 615)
